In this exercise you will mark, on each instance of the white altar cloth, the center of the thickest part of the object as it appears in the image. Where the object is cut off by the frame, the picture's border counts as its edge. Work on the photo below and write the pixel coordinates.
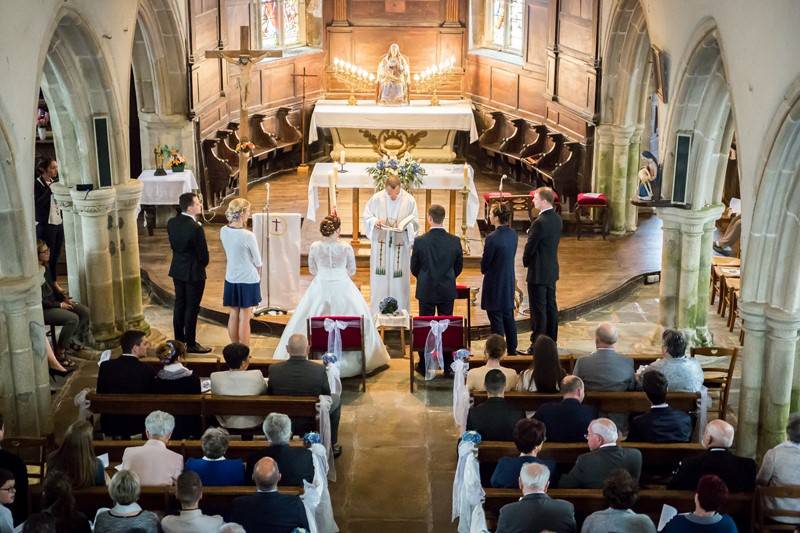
(165, 190)
(420, 115)
(444, 176)
(280, 273)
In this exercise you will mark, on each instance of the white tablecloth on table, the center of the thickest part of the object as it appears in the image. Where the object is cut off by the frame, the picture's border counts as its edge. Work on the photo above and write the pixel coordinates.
(444, 176)
(165, 190)
(420, 115)
(399, 320)
(280, 272)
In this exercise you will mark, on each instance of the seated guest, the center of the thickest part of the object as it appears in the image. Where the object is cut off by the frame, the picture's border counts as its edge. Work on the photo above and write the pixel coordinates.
(7, 493)
(494, 419)
(605, 370)
(238, 381)
(174, 378)
(231, 527)
(268, 510)
(297, 376)
(738, 473)
(536, 511)
(296, 464)
(126, 375)
(591, 469)
(57, 499)
(153, 462)
(189, 491)
(566, 421)
(545, 373)
(126, 515)
(683, 373)
(781, 467)
(42, 522)
(710, 496)
(214, 470)
(494, 350)
(662, 423)
(16, 466)
(529, 436)
(620, 492)
(76, 458)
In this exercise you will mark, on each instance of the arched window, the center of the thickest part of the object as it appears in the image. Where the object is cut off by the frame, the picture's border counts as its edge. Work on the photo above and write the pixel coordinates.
(283, 23)
(506, 25)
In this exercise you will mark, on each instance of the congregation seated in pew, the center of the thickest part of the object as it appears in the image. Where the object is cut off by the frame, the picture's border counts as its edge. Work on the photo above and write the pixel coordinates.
(780, 467)
(605, 370)
(76, 458)
(495, 418)
(683, 373)
(153, 462)
(238, 381)
(529, 436)
(536, 511)
(126, 514)
(662, 423)
(494, 351)
(620, 492)
(567, 420)
(545, 373)
(15, 465)
(592, 468)
(175, 378)
(58, 501)
(710, 496)
(213, 468)
(189, 491)
(296, 464)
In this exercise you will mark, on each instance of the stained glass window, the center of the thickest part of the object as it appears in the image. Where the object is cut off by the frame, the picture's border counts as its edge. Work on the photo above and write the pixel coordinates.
(282, 23)
(507, 21)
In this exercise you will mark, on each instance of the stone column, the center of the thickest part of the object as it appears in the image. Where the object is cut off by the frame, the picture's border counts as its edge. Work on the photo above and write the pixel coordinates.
(795, 406)
(619, 199)
(631, 211)
(681, 272)
(604, 153)
(94, 210)
(128, 196)
(776, 389)
(72, 241)
(755, 327)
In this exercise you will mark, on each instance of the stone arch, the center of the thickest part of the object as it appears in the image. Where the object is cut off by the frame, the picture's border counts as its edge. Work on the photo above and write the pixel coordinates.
(624, 94)
(77, 85)
(16, 247)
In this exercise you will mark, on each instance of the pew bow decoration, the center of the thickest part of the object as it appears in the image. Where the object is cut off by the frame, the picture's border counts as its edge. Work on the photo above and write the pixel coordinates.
(334, 373)
(316, 496)
(468, 495)
(459, 367)
(434, 356)
(312, 437)
(334, 329)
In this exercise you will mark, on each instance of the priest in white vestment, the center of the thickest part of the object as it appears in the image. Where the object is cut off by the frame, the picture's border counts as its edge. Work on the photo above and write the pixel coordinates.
(390, 219)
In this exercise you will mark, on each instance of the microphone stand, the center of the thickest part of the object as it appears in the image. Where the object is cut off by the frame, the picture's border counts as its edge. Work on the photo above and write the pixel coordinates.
(267, 309)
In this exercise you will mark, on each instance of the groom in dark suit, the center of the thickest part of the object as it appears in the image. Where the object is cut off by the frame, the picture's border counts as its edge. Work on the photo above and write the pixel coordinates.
(188, 269)
(541, 260)
(436, 262)
(497, 267)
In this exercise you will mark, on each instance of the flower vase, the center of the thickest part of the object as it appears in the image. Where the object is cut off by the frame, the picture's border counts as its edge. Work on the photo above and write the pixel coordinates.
(178, 168)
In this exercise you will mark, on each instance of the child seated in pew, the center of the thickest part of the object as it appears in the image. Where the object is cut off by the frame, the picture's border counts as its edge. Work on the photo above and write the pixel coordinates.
(494, 350)
(529, 436)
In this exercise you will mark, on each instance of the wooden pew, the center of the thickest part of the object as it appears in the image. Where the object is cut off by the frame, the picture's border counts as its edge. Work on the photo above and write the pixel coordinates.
(288, 137)
(518, 363)
(562, 174)
(225, 150)
(220, 174)
(587, 501)
(491, 139)
(609, 402)
(237, 449)
(264, 141)
(216, 500)
(206, 366)
(512, 146)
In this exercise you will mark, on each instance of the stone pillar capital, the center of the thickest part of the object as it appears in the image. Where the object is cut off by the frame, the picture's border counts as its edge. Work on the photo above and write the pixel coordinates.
(622, 134)
(129, 195)
(96, 203)
(690, 220)
(62, 195)
(782, 324)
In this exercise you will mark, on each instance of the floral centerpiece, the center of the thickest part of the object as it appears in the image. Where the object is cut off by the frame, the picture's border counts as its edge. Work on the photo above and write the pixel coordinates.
(245, 147)
(406, 168)
(177, 161)
(42, 121)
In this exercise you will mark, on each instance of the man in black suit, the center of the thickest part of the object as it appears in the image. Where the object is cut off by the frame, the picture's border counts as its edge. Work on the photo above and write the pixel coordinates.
(268, 511)
(436, 262)
(188, 269)
(126, 375)
(495, 418)
(662, 423)
(591, 469)
(15, 465)
(298, 376)
(567, 420)
(49, 224)
(296, 463)
(541, 260)
(497, 267)
(536, 511)
(738, 473)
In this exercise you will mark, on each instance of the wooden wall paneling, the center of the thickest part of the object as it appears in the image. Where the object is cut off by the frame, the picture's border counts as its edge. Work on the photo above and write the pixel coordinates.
(504, 87)
(479, 80)
(237, 13)
(397, 12)
(451, 44)
(537, 22)
(574, 86)
(531, 95)
(204, 32)
(340, 44)
(208, 81)
(577, 29)
(418, 44)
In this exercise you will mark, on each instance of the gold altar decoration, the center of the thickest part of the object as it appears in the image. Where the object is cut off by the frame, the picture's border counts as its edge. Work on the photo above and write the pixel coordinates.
(356, 78)
(429, 79)
(393, 143)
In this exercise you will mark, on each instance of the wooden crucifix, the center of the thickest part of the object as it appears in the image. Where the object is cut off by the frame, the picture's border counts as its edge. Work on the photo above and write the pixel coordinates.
(303, 76)
(244, 57)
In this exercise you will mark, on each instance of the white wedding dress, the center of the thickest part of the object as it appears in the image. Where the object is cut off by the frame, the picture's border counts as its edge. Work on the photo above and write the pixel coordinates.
(332, 292)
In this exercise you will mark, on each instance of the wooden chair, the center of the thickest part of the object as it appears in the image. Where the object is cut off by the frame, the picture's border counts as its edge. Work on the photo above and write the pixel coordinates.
(716, 263)
(723, 375)
(352, 339)
(33, 451)
(764, 514)
(491, 139)
(727, 278)
(586, 203)
(453, 338)
(463, 292)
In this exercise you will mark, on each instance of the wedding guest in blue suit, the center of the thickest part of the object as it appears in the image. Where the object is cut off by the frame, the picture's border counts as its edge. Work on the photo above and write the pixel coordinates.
(529, 436)
(662, 423)
(214, 469)
(497, 267)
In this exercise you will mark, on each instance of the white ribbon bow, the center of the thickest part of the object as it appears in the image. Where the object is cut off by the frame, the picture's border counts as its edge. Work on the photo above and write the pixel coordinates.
(467, 491)
(334, 377)
(335, 340)
(325, 431)
(316, 497)
(460, 393)
(434, 358)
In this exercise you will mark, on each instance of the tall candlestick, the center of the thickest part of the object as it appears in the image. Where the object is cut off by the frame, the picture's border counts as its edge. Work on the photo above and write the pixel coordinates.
(332, 190)
(266, 204)
(466, 175)
(341, 157)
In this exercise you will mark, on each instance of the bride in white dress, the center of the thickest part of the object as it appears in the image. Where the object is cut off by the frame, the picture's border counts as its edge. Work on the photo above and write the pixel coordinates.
(332, 292)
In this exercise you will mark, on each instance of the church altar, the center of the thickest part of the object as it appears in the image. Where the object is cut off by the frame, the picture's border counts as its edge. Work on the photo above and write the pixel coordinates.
(367, 129)
(165, 190)
(439, 176)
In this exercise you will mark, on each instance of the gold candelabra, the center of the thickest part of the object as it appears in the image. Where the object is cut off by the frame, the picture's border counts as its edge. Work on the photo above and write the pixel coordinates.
(356, 78)
(429, 79)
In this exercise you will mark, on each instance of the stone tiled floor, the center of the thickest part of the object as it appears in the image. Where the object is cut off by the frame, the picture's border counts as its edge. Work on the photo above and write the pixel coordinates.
(396, 472)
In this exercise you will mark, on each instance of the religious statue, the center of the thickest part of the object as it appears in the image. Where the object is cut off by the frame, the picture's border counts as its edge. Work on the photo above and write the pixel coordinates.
(394, 76)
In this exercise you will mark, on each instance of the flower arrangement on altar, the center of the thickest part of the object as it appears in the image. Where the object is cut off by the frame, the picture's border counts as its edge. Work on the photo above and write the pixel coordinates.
(177, 161)
(406, 168)
(245, 147)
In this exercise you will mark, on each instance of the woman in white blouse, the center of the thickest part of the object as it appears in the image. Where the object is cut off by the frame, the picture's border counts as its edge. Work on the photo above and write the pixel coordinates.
(242, 273)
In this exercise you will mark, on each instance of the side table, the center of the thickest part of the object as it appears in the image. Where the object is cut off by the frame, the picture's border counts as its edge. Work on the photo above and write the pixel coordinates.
(397, 322)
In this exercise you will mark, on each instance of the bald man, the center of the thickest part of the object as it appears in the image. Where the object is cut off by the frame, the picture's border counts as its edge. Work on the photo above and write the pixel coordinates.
(268, 511)
(606, 455)
(605, 370)
(739, 473)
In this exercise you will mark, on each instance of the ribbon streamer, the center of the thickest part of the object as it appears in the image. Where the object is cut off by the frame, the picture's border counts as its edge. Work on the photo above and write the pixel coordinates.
(468, 495)
(434, 356)
(335, 340)
(460, 393)
(316, 496)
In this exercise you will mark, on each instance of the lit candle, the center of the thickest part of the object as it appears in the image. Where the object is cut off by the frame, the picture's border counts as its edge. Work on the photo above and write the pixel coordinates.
(466, 176)
(341, 157)
(267, 185)
(416, 77)
(332, 189)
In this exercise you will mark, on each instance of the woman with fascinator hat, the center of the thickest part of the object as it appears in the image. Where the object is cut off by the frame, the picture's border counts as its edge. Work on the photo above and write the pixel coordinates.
(332, 292)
